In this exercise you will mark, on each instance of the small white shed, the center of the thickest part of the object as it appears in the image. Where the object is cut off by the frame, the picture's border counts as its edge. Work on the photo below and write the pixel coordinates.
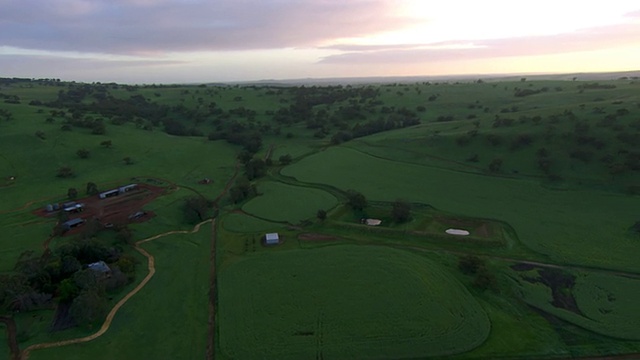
(271, 239)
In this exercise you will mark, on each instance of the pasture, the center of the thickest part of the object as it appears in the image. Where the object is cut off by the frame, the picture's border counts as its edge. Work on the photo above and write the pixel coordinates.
(345, 302)
(281, 202)
(543, 173)
(547, 221)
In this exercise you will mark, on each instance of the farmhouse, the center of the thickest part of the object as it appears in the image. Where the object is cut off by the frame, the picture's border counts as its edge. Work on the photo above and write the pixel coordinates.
(99, 266)
(271, 239)
(70, 224)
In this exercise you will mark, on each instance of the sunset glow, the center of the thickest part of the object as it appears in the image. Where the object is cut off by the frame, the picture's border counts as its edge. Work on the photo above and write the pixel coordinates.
(193, 41)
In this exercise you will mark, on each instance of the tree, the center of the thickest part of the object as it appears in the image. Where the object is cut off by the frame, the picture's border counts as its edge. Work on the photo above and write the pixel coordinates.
(83, 153)
(88, 307)
(401, 211)
(485, 280)
(40, 134)
(245, 156)
(65, 172)
(196, 209)
(321, 215)
(67, 290)
(127, 160)
(356, 200)
(72, 193)
(495, 165)
(242, 190)
(92, 188)
(285, 159)
(107, 144)
(255, 168)
(470, 264)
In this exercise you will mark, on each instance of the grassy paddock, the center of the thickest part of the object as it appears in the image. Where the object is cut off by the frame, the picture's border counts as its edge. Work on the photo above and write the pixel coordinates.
(345, 302)
(281, 202)
(549, 222)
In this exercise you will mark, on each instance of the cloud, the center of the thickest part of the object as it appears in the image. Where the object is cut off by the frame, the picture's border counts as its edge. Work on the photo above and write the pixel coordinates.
(584, 40)
(89, 69)
(145, 26)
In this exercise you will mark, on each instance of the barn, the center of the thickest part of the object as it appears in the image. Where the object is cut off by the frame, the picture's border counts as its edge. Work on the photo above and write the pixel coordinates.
(109, 193)
(272, 239)
(68, 225)
(75, 208)
(127, 188)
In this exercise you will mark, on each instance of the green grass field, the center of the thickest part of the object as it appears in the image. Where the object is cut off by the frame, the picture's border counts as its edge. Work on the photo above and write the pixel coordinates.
(280, 202)
(562, 191)
(345, 302)
(549, 222)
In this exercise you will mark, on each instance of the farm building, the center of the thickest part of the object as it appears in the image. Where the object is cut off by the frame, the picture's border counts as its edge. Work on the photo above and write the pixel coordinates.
(271, 239)
(118, 191)
(70, 224)
(127, 188)
(109, 193)
(75, 208)
(99, 266)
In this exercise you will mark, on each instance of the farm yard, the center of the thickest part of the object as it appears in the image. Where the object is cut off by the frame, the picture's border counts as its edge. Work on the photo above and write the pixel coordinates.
(414, 220)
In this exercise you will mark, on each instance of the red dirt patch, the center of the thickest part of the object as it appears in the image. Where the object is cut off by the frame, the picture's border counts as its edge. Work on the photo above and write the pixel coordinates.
(113, 211)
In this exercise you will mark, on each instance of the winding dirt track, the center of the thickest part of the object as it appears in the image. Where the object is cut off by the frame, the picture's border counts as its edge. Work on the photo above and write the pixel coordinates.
(112, 313)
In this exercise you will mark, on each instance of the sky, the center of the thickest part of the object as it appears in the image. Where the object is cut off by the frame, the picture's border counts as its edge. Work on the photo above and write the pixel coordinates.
(198, 41)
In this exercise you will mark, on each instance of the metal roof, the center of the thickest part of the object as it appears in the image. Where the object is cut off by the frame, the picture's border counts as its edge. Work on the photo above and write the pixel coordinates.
(99, 266)
(74, 221)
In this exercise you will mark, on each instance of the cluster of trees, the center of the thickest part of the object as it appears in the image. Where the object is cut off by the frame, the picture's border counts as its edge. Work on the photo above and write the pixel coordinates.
(373, 127)
(242, 190)
(400, 209)
(62, 276)
(197, 209)
(476, 267)
(6, 115)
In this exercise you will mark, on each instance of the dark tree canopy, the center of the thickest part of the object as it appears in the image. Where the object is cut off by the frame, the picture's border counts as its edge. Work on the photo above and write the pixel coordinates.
(356, 200)
(92, 188)
(255, 168)
(83, 153)
(197, 208)
(401, 211)
(72, 193)
(470, 264)
(65, 172)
